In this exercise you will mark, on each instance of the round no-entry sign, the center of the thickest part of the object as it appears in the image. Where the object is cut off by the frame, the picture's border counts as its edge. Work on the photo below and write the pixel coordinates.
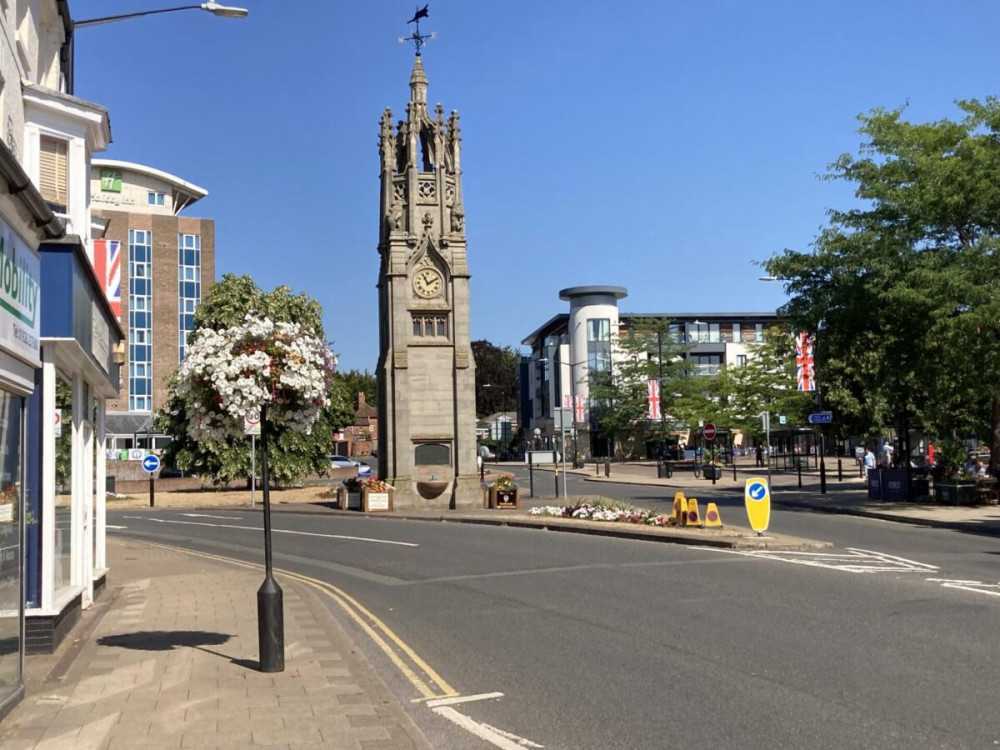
(708, 431)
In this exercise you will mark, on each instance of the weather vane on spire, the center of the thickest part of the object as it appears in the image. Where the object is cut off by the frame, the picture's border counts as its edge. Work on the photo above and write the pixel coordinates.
(418, 39)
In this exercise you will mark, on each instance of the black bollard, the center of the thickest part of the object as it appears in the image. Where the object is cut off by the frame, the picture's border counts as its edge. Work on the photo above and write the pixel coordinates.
(556, 475)
(607, 468)
(798, 468)
(734, 470)
(840, 470)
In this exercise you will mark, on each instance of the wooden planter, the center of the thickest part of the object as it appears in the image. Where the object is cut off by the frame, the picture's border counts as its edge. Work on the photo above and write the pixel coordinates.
(376, 502)
(505, 499)
(352, 500)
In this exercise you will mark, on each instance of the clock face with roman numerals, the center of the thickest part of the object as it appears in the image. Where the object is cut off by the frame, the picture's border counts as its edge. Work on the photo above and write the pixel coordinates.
(427, 283)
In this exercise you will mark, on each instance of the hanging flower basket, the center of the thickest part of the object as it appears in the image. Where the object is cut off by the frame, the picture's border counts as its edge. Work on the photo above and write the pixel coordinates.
(260, 363)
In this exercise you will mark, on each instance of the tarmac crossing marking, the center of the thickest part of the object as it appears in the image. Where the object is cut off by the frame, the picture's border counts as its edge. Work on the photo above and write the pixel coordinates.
(853, 560)
(976, 587)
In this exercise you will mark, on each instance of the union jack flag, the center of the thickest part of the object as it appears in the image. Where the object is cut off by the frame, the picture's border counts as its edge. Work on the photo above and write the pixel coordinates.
(805, 363)
(108, 267)
(654, 399)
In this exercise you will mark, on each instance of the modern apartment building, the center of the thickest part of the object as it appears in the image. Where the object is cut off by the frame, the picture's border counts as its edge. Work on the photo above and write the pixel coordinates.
(569, 346)
(162, 264)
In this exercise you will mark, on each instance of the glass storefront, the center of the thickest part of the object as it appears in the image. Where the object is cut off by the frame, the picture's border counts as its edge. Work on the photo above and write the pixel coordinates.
(11, 599)
(62, 558)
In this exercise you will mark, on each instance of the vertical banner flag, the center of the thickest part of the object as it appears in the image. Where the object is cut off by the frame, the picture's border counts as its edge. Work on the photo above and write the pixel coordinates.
(805, 364)
(654, 399)
(107, 266)
(578, 407)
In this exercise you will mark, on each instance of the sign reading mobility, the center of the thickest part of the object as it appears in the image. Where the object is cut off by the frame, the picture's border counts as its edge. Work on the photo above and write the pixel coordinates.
(20, 274)
(757, 497)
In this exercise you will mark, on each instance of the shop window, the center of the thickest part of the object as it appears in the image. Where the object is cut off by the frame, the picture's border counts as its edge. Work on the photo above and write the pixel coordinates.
(11, 503)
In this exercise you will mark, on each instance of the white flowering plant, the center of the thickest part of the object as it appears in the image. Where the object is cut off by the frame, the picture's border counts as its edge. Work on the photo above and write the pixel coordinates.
(230, 372)
(601, 511)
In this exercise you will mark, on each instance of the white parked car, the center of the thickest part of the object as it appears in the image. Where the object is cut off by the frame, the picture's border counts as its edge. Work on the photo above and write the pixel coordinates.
(343, 462)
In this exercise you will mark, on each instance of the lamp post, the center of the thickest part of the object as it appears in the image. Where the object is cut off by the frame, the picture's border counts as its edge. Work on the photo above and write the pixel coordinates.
(270, 609)
(223, 11)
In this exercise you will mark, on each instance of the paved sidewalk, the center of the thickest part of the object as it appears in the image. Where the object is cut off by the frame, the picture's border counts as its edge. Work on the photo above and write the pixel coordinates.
(172, 664)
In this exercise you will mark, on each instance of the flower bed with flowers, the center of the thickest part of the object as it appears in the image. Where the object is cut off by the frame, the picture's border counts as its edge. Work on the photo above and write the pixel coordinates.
(232, 372)
(598, 511)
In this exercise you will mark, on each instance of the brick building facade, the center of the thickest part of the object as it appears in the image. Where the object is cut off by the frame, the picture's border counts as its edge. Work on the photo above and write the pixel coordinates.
(167, 265)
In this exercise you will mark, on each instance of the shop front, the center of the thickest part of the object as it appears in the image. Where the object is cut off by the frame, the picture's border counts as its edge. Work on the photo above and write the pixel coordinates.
(65, 563)
(25, 221)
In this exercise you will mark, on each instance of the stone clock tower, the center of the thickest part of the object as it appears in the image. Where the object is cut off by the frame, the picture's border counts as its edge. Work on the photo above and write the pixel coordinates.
(426, 374)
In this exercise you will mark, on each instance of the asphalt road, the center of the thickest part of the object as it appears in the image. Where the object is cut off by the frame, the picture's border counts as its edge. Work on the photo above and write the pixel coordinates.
(887, 642)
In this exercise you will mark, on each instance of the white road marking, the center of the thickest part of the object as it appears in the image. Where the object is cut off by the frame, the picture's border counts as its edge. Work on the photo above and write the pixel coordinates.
(976, 587)
(505, 740)
(519, 740)
(462, 699)
(206, 515)
(852, 561)
(276, 531)
(109, 526)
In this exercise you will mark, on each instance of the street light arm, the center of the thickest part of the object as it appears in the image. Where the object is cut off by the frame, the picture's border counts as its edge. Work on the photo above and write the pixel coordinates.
(225, 11)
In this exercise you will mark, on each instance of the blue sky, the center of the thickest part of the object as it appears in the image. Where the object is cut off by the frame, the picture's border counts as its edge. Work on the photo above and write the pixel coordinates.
(660, 146)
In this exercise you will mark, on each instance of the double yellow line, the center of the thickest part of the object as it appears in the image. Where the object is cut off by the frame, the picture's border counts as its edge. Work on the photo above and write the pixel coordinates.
(428, 683)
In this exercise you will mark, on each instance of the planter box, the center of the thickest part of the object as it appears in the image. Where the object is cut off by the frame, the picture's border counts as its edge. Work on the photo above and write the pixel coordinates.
(950, 493)
(708, 471)
(376, 502)
(874, 484)
(894, 489)
(353, 501)
(505, 499)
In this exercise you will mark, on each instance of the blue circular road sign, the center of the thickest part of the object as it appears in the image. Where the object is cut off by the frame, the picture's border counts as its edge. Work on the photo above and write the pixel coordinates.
(757, 491)
(151, 463)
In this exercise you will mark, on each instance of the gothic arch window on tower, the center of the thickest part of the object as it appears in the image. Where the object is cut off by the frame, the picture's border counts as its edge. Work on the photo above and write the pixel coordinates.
(427, 326)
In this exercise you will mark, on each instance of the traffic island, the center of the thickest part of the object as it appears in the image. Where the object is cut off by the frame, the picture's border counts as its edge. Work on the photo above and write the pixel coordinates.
(724, 538)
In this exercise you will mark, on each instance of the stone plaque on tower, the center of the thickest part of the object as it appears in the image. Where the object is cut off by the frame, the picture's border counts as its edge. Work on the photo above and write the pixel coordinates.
(426, 373)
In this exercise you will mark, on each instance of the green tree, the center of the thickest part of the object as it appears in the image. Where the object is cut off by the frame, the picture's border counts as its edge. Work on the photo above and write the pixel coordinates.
(496, 377)
(906, 284)
(765, 383)
(291, 455)
(355, 382)
(619, 396)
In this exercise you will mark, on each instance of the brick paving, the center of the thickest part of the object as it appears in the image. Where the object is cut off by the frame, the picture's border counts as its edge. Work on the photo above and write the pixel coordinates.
(171, 663)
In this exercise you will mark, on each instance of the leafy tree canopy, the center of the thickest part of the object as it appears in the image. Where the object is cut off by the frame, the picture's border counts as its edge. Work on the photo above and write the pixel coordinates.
(496, 377)
(765, 383)
(291, 455)
(356, 381)
(619, 397)
(907, 284)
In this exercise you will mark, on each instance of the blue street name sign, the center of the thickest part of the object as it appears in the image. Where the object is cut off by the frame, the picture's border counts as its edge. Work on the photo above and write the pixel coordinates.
(821, 417)
(151, 463)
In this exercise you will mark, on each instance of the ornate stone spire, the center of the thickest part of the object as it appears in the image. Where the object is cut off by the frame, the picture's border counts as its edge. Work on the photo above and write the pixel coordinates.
(418, 83)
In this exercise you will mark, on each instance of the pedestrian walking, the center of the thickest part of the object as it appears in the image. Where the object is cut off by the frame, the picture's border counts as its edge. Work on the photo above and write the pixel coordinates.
(760, 455)
(869, 459)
